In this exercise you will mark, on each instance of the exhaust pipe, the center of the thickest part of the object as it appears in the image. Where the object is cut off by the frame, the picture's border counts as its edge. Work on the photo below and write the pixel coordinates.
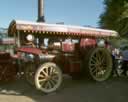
(40, 11)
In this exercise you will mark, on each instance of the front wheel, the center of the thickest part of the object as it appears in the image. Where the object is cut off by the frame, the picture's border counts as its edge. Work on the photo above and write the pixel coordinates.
(48, 77)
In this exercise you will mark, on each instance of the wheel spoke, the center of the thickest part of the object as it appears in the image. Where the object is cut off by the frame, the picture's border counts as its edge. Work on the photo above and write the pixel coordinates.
(103, 57)
(49, 85)
(98, 56)
(94, 65)
(41, 76)
(55, 71)
(42, 83)
(46, 85)
(51, 70)
(55, 77)
(45, 73)
(94, 58)
(94, 70)
(53, 82)
(42, 80)
(93, 61)
(97, 60)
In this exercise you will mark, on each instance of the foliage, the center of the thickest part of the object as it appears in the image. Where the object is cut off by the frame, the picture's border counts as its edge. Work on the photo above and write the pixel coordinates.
(118, 42)
(115, 16)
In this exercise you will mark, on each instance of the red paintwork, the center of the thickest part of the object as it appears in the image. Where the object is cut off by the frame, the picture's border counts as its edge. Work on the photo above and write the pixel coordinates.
(70, 63)
(68, 47)
(31, 50)
(73, 55)
(87, 42)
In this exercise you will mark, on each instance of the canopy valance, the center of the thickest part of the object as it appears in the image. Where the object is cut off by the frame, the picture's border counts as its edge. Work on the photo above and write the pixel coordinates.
(27, 27)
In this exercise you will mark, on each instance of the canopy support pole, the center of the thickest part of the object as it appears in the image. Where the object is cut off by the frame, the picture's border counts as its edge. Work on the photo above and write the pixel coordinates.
(18, 39)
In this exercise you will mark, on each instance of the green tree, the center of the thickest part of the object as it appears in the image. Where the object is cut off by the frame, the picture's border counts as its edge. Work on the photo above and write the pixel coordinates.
(115, 16)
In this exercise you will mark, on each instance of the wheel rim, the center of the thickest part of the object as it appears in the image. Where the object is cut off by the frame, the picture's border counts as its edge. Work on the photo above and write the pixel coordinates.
(127, 73)
(48, 78)
(99, 64)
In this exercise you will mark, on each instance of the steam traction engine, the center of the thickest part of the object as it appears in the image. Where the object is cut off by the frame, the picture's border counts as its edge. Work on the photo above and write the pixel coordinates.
(46, 51)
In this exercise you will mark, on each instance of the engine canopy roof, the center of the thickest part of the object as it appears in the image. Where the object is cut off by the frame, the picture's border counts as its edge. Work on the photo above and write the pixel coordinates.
(27, 27)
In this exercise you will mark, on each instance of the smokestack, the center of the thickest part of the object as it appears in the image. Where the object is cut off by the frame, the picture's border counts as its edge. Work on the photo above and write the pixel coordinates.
(40, 11)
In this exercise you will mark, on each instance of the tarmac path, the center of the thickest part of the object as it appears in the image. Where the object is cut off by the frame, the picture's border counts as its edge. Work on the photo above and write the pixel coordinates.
(113, 90)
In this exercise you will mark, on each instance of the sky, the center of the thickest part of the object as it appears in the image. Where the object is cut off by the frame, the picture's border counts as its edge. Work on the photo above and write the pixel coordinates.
(71, 12)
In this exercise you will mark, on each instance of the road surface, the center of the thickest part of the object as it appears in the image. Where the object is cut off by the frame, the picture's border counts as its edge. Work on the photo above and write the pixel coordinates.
(113, 90)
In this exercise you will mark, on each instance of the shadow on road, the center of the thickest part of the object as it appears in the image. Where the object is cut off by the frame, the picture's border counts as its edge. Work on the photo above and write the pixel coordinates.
(113, 90)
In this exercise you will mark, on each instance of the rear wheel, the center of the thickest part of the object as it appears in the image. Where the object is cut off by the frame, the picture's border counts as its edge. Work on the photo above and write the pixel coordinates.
(48, 77)
(98, 64)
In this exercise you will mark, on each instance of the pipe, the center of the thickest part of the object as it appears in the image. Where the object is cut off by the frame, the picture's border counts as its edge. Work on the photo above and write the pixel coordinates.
(40, 11)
